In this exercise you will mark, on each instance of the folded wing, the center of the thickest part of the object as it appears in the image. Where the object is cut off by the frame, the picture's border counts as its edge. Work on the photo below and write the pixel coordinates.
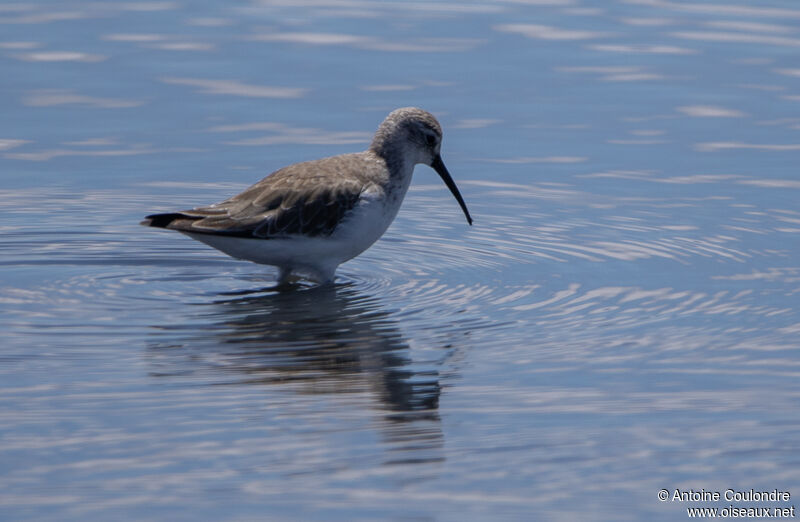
(290, 201)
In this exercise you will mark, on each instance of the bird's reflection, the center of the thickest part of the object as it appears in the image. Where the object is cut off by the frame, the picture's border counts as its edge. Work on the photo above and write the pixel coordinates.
(324, 339)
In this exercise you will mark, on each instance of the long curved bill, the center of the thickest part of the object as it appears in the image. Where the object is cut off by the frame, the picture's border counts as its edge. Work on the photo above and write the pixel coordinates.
(438, 166)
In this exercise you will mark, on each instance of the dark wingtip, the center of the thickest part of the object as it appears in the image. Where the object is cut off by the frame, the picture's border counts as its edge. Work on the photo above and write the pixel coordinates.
(160, 220)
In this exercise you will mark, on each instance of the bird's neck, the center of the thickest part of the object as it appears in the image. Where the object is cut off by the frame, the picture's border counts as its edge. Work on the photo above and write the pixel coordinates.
(398, 157)
(400, 166)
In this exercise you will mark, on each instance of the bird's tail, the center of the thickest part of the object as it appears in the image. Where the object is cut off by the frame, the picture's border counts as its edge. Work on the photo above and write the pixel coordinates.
(165, 220)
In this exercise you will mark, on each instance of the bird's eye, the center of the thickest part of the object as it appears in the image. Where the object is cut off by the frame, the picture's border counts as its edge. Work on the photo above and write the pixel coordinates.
(430, 139)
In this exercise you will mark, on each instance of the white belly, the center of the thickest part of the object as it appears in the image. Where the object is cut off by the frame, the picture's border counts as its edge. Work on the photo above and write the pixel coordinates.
(358, 231)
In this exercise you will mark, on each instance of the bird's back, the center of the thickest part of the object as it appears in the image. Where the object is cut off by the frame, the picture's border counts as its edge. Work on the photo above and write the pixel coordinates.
(309, 198)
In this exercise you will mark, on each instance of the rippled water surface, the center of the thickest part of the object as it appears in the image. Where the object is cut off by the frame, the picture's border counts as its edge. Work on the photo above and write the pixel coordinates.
(623, 316)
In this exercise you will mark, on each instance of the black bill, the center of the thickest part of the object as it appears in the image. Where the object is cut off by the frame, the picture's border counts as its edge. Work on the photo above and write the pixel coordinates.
(438, 166)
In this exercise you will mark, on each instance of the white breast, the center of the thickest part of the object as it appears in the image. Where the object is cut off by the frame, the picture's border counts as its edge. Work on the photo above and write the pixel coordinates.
(369, 219)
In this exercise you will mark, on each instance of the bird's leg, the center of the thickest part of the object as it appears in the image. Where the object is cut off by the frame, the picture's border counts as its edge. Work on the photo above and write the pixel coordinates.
(322, 275)
(284, 273)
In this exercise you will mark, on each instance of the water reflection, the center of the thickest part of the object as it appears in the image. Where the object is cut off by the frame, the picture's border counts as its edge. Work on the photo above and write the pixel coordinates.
(312, 341)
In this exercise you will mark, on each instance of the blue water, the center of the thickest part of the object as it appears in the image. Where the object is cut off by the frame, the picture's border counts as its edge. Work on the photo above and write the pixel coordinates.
(623, 316)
